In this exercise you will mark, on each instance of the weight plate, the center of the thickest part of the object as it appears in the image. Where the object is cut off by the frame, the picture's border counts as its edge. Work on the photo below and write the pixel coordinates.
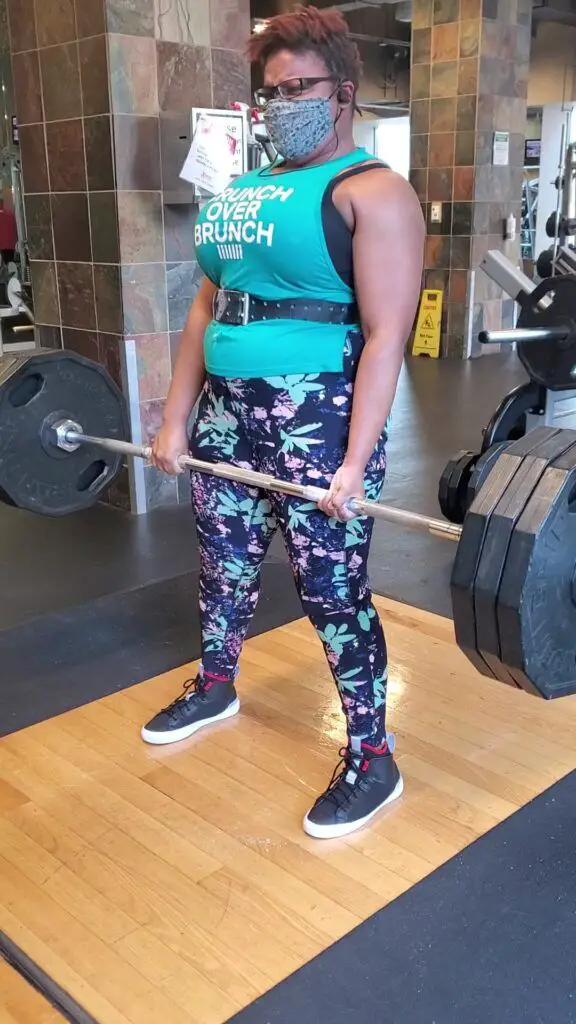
(509, 421)
(537, 600)
(497, 538)
(453, 486)
(469, 549)
(544, 263)
(482, 468)
(34, 473)
(551, 363)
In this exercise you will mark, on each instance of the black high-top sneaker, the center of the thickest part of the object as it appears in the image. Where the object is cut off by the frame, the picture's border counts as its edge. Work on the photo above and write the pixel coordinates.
(363, 783)
(202, 702)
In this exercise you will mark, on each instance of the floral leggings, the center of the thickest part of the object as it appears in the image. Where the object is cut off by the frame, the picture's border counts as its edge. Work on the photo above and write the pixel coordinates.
(293, 427)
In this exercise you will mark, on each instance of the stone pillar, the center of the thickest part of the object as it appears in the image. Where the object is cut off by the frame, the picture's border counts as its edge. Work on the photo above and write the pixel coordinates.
(103, 88)
(470, 62)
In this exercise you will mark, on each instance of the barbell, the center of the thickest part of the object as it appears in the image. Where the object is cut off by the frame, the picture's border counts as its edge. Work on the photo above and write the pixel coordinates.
(63, 442)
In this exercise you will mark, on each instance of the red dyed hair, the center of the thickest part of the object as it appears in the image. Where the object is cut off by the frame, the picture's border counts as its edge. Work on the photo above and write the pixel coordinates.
(310, 30)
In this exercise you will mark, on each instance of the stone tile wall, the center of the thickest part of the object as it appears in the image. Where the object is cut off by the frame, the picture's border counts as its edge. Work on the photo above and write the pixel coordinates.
(470, 62)
(103, 87)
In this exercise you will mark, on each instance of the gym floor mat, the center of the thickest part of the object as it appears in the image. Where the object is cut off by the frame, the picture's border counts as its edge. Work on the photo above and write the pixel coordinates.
(176, 884)
(483, 939)
(63, 661)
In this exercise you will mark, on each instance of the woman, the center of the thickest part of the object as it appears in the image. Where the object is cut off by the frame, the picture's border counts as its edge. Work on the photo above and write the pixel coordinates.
(295, 343)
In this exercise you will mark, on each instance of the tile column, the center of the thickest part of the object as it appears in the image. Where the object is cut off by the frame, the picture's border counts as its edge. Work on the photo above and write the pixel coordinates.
(103, 91)
(469, 77)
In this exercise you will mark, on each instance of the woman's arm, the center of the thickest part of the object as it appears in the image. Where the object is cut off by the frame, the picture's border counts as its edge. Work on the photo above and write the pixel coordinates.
(187, 383)
(388, 259)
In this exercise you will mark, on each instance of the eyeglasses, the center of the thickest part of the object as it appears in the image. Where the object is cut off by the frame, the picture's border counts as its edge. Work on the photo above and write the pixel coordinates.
(287, 90)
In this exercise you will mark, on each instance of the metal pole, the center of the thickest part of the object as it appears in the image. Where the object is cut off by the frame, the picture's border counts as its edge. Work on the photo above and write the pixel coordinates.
(516, 334)
(70, 439)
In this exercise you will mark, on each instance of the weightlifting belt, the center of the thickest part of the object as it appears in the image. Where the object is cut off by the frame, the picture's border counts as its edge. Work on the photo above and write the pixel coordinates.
(240, 309)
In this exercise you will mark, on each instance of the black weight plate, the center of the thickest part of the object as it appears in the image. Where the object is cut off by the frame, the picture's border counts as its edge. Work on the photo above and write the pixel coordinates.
(537, 599)
(551, 363)
(469, 548)
(453, 487)
(482, 468)
(496, 543)
(544, 263)
(444, 482)
(509, 421)
(35, 475)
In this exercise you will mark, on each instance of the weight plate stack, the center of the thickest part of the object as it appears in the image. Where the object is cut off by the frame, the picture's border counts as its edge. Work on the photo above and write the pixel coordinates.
(536, 456)
(537, 600)
(453, 486)
(470, 550)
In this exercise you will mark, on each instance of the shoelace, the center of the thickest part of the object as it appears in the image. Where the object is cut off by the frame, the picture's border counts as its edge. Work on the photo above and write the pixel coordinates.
(192, 688)
(339, 790)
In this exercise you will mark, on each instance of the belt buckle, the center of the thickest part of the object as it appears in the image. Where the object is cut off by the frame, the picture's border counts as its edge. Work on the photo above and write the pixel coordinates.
(223, 299)
(219, 305)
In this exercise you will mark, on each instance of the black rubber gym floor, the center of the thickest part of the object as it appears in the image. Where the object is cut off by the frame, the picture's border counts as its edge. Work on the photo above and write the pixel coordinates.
(81, 654)
(486, 939)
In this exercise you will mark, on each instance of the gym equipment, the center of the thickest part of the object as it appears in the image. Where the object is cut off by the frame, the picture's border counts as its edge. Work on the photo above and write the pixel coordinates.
(36, 391)
(453, 486)
(15, 305)
(550, 359)
(513, 577)
(545, 263)
(510, 419)
(461, 477)
(545, 334)
(483, 464)
(556, 226)
(513, 580)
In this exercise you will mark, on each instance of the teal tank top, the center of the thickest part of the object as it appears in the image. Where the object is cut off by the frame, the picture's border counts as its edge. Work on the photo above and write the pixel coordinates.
(265, 235)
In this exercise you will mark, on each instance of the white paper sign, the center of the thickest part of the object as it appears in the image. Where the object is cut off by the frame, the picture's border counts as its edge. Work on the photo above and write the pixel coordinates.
(236, 126)
(209, 161)
(500, 149)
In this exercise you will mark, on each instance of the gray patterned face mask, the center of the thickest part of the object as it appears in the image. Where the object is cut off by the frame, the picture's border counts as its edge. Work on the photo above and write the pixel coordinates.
(297, 127)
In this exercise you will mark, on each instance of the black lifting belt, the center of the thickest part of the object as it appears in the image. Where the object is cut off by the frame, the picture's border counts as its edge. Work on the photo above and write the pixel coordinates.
(240, 309)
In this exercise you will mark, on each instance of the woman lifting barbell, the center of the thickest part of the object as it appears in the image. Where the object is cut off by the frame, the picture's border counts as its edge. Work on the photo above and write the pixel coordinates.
(294, 345)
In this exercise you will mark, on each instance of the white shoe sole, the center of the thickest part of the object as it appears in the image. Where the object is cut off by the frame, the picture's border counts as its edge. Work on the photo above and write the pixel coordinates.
(346, 828)
(176, 735)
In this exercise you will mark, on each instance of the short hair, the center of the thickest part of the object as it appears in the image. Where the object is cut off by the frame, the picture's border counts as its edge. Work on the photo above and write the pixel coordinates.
(310, 30)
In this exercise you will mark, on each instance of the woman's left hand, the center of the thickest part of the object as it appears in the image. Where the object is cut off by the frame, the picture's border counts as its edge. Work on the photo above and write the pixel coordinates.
(347, 483)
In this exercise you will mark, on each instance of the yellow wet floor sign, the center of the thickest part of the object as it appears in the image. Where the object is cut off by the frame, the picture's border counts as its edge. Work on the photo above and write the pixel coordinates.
(428, 328)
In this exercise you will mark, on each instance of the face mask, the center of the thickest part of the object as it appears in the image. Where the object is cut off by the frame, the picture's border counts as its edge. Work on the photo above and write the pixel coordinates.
(297, 127)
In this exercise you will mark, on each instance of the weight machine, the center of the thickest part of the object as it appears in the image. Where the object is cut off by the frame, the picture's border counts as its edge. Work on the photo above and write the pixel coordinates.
(15, 282)
(560, 257)
(545, 340)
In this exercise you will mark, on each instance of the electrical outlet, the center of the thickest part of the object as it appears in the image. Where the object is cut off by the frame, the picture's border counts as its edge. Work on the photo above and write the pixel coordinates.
(435, 213)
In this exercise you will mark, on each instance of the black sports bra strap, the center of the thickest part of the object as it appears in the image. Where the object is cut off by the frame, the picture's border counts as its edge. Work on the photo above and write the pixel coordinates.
(336, 231)
(350, 172)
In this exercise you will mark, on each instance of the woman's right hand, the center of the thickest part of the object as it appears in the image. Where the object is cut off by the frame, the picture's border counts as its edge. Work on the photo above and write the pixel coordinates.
(170, 442)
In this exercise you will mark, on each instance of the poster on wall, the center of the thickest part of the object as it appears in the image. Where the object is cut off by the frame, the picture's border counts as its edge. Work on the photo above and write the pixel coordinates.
(501, 149)
(218, 151)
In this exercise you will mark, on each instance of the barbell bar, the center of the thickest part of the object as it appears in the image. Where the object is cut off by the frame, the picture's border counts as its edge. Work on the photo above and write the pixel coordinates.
(523, 334)
(69, 437)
